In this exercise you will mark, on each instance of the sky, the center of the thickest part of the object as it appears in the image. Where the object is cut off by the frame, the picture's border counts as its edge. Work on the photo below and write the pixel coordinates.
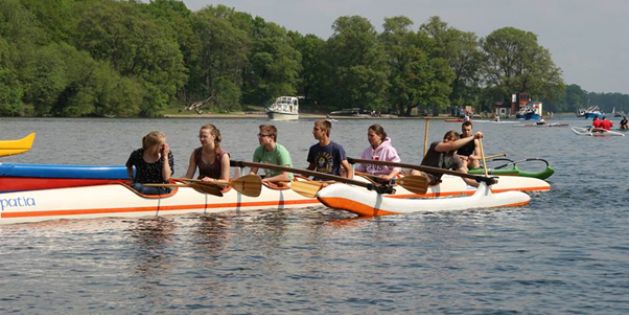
(586, 38)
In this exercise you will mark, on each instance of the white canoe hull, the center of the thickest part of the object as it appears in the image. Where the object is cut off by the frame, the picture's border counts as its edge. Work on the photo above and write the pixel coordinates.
(369, 203)
(598, 133)
(120, 201)
(282, 115)
(116, 200)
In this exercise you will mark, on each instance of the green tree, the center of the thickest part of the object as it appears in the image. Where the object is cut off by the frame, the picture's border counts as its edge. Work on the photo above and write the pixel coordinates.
(223, 57)
(311, 83)
(415, 79)
(356, 69)
(274, 65)
(463, 55)
(136, 47)
(515, 62)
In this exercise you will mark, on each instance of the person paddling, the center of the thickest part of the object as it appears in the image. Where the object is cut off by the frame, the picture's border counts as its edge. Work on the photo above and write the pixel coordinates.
(271, 152)
(379, 149)
(210, 159)
(623, 123)
(442, 154)
(153, 164)
(327, 156)
(469, 152)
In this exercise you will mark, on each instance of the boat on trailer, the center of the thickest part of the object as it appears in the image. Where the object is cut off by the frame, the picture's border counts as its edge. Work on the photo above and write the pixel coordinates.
(120, 200)
(369, 203)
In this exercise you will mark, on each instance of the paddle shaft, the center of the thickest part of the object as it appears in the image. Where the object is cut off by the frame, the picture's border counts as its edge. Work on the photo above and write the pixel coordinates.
(340, 179)
(423, 168)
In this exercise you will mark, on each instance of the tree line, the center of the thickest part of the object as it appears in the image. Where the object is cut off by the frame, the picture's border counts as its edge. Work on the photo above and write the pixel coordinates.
(78, 58)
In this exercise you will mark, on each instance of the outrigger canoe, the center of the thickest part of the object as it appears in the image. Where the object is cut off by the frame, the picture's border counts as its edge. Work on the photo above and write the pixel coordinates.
(596, 132)
(12, 147)
(119, 200)
(369, 203)
(511, 168)
(25, 176)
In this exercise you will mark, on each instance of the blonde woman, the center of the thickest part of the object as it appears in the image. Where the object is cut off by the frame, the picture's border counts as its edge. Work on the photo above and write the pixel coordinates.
(153, 163)
(209, 159)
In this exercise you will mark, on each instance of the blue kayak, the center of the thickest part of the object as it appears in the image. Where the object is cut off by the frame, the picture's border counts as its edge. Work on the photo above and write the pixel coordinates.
(63, 171)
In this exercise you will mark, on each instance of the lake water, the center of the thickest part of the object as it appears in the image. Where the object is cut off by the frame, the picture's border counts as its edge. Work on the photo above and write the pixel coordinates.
(565, 253)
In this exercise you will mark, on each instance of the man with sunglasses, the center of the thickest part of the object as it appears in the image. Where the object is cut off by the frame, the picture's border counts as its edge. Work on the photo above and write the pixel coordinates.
(271, 152)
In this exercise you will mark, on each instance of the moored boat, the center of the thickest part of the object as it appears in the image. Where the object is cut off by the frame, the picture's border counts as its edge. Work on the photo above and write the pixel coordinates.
(595, 132)
(284, 108)
(370, 203)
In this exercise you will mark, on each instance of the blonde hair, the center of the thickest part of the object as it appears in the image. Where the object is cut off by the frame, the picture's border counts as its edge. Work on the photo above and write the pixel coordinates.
(325, 125)
(153, 138)
(215, 132)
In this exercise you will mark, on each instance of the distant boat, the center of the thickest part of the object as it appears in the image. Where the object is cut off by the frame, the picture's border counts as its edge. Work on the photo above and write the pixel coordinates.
(284, 108)
(531, 111)
(355, 112)
(590, 112)
(617, 114)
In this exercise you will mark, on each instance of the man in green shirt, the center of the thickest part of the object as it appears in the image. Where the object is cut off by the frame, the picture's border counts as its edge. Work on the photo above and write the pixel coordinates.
(271, 152)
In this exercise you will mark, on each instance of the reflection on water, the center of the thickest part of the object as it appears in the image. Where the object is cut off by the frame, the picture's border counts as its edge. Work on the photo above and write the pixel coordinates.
(152, 237)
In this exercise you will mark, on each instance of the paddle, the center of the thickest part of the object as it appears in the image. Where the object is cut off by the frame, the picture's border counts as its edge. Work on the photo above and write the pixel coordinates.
(414, 183)
(482, 156)
(204, 189)
(430, 169)
(371, 186)
(12, 147)
(307, 188)
(248, 185)
(497, 155)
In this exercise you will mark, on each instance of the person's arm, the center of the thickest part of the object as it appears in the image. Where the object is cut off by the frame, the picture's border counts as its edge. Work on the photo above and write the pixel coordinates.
(129, 165)
(225, 167)
(349, 171)
(454, 145)
(192, 167)
(167, 159)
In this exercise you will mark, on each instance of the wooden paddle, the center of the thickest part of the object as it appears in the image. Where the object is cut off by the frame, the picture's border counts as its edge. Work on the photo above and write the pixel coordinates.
(12, 147)
(248, 185)
(430, 169)
(382, 189)
(414, 183)
(204, 189)
(482, 156)
(307, 188)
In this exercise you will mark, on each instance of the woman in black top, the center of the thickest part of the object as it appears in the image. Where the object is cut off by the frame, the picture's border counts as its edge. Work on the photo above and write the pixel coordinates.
(153, 163)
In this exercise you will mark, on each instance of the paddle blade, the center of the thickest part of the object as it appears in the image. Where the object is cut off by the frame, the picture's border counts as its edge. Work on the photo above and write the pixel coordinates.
(416, 184)
(306, 188)
(206, 189)
(248, 185)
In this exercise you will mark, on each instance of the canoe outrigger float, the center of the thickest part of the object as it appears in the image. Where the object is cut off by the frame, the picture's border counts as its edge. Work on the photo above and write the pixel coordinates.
(370, 203)
(120, 200)
(12, 147)
(511, 168)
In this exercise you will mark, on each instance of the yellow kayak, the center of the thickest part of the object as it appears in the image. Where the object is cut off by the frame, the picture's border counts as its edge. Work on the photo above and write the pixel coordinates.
(12, 147)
